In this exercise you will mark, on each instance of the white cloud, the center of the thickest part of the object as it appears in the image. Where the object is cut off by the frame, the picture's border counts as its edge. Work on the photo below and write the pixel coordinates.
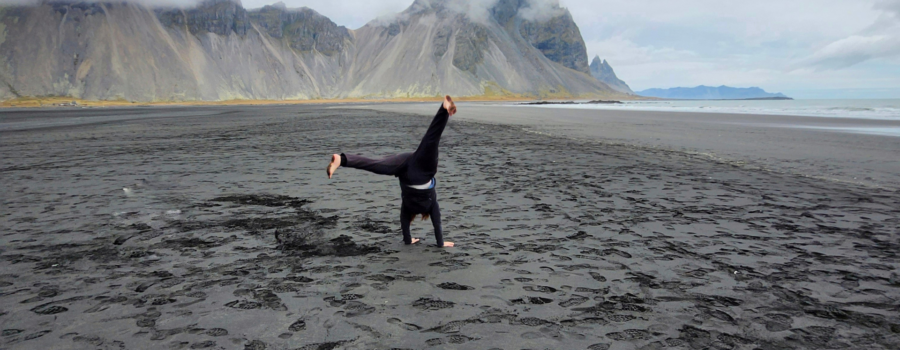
(880, 40)
(152, 3)
(852, 50)
(623, 52)
(477, 10)
(350, 13)
(541, 10)
(892, 6)
(750, 22)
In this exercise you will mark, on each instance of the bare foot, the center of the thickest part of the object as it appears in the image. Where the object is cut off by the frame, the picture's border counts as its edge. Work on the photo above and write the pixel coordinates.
(415, 240)
(449, 105)
(335, 163)
(448, 244)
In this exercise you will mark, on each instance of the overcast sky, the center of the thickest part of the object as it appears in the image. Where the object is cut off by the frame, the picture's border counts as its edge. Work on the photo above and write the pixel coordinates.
(803, 48)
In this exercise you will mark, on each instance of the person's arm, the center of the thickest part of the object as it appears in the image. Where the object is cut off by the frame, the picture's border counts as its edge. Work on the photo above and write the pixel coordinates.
(405, 219)
(436, 222)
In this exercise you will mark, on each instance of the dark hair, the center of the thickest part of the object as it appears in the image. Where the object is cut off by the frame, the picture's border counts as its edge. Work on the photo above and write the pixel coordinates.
(425, 216)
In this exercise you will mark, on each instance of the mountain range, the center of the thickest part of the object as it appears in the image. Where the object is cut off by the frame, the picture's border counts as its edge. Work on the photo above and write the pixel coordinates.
(218, 50)
(703, 92)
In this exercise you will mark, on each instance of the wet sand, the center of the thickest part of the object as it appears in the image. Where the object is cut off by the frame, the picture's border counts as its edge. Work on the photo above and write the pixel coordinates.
(216, 227)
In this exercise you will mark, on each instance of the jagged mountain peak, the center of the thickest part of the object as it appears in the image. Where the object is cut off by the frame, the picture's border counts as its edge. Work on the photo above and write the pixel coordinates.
(600, 62)
(601, 70)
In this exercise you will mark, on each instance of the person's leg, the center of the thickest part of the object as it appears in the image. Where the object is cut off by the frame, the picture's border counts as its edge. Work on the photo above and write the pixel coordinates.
(384, 166)
(423, 163)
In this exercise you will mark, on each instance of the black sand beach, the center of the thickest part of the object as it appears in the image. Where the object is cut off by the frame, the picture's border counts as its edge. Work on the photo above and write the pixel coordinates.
(156, 228)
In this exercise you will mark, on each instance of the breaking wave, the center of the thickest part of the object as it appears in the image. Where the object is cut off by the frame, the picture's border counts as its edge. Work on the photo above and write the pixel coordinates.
(854, 109)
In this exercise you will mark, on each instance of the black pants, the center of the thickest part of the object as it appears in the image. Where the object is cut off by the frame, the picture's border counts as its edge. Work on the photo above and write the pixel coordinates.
(414, 168)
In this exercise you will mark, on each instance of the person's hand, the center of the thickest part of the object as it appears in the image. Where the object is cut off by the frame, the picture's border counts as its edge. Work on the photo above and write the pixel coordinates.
(449, 105)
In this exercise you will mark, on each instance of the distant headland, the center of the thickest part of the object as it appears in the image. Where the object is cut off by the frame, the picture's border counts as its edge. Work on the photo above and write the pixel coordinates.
(723, 92)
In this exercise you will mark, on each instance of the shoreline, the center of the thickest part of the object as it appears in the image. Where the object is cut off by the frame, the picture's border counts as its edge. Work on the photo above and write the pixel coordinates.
(695, 106)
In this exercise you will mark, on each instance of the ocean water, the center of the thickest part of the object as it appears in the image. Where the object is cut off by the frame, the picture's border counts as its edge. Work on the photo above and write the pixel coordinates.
(881, 131)
(854, 109)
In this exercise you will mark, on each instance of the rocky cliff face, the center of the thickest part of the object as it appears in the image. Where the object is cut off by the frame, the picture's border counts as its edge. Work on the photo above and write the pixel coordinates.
(303, 29)
(552, 31)
(218, 51)
(126, 51)
(221, 17)
(604, 73)
(559, 39)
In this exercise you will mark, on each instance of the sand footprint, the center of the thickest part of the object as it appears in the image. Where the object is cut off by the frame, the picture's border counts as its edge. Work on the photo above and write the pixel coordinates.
(216, 332)
(297, 326)
(453, 339)
(407, 326)
(454, 286)
(629, 334)
(48, 309)
(540, 289)
(204, 345)
(597, 277)
(432, 304)
(532, 301)
(575, 300)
